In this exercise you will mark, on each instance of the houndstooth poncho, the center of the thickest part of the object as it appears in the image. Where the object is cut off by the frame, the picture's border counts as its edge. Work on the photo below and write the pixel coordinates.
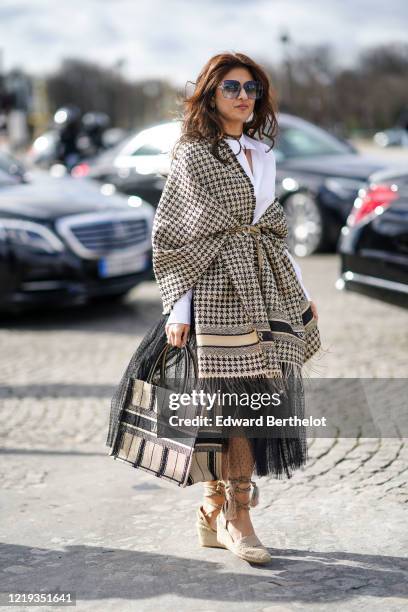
(250, 311)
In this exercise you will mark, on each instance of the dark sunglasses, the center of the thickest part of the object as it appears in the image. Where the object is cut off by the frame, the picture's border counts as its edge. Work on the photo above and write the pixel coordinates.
(232, 88)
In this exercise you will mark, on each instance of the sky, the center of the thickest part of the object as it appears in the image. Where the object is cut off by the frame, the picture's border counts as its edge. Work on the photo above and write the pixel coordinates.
(172, 39)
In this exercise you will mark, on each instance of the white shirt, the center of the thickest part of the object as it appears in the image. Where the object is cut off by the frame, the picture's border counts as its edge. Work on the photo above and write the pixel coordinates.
(263, 180)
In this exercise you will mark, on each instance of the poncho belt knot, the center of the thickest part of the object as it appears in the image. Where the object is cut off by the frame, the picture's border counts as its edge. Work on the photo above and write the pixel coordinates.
(255, 231)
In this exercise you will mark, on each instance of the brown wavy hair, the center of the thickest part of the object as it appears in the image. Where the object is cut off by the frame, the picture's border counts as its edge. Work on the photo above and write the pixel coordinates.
(200, 121)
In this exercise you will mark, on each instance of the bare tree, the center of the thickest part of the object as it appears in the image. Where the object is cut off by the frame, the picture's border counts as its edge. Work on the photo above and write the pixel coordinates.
(92, 87)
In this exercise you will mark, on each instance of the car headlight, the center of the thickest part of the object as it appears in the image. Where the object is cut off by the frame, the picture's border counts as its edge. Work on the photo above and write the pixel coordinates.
(30, 234)
(343, 187)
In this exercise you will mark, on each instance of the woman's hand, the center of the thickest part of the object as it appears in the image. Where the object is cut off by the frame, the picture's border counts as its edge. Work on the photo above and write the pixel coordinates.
(314, 310)
(177, 333)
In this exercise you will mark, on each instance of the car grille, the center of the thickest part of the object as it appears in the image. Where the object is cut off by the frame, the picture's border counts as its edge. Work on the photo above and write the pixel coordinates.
(95, 237)
(110, 236)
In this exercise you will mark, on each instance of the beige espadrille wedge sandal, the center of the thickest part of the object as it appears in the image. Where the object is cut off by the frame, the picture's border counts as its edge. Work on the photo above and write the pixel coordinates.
(249, 547)
(207, 536)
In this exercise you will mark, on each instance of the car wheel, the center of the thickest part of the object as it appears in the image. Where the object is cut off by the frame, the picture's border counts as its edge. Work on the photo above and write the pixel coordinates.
(306, 225)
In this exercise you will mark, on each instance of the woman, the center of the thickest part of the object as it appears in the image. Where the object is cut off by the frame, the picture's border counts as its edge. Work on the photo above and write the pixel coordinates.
(232, 290)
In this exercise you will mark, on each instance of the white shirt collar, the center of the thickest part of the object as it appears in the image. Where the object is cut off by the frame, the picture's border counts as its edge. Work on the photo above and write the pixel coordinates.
(244, 140)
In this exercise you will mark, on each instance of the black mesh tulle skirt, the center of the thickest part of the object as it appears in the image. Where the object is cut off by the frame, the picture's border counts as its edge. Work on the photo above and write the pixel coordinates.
(276, 455)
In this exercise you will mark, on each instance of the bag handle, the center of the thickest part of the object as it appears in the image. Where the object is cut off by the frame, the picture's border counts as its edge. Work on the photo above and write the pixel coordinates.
(188, 354)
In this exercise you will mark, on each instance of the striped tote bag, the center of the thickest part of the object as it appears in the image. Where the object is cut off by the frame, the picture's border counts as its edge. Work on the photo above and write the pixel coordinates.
(143, 423)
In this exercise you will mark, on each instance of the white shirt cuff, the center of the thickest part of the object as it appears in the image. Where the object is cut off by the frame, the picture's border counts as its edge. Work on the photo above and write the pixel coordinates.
(181, 311)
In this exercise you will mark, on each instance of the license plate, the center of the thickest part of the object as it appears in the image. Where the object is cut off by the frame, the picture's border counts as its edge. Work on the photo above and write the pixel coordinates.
(117, 264)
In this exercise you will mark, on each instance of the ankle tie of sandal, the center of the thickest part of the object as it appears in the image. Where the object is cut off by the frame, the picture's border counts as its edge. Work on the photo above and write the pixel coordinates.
(214, 489)
(210, 490)
(231, 503)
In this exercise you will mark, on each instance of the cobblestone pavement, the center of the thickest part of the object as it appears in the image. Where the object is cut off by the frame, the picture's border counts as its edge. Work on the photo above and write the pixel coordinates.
(75, 520)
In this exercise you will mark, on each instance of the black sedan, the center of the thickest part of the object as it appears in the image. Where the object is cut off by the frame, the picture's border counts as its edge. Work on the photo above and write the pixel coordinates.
(318, 176)
(64, 241)
(374, 242)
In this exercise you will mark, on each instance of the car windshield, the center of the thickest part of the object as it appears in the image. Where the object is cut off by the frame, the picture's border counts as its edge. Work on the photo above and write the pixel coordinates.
(300, 141)
(150, 142)
(107, 157)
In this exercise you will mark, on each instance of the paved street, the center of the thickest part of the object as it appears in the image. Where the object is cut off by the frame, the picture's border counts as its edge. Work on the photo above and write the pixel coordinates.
(75, 520)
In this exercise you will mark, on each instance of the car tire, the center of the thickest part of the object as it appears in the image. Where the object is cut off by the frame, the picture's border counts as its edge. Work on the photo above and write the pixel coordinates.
(306, 224)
